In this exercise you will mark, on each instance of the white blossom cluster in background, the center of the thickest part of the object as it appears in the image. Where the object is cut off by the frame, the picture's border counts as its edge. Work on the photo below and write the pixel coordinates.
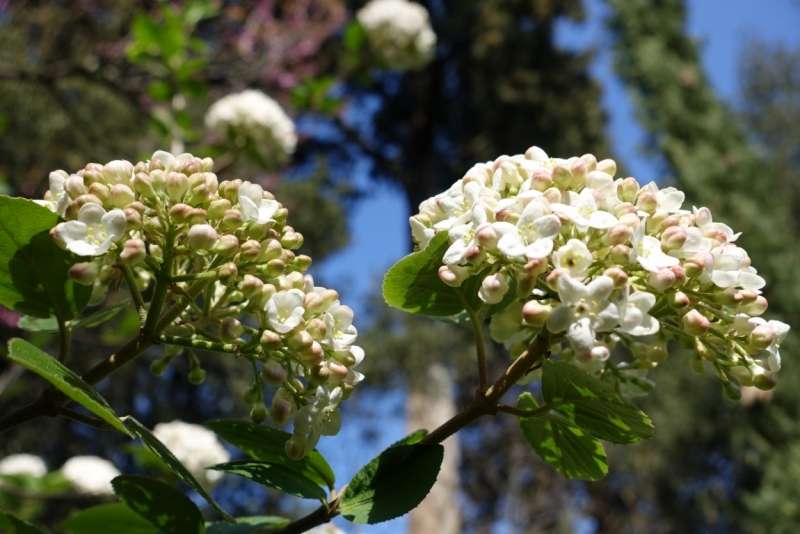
(330, 528)
(23, 464)
(90, 475)
(300, 334)
(195, 447)
(255, 117)
(399, 32)
(604, 261)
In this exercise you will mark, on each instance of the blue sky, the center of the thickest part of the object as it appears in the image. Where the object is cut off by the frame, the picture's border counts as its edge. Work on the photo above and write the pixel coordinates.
(379, 227)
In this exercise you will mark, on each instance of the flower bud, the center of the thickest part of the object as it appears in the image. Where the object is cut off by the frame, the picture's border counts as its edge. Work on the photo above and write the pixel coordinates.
(295, 448)
(608, 166)
(453, 275)
(312, 355)
(763, 380)
(176, 186)
(316, 327)
(207, 165)
(756, 308)
(197, 376)
(591, 161)
(731, 391)
(226, 246)
(579, 172)
(117, 172)
(143, 186)
(218, 208)
(231, 220)
(273, 372)
(695, 323)
(493, 288)
(270, 340)
(697, 364)
(197, 216)
(670, 221)
(190, 167)
(619, 276)
(680, 275)
(617, 235)
(562, 176)
(534, 313)
(673, 238)
(133, 219)
(727, 297)
(133, 252)
(292, 240)
(84, 273)
(300, 341)
(630, 220)
(231, 329)
(302, 262)
(486, 236)
(159, 181)
(202, 237)
(250, 250)
(121, 195)
(259, 413)
(280, 213)
(762, 337)
(228, 272)
(329, 296)
(536, 266)
(647, 202)
(229, 189)
(657, 352)
(475, 255)
(75, 187)
(694, 267)
(541, 180)
(181, 213)
(679, 300)
(555, 274)
(250, 286)
(620, 254)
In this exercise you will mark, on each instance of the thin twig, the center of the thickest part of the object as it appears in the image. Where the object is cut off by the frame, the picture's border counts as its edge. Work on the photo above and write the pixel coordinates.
(85, 419)
(136, 295)
(65, 333)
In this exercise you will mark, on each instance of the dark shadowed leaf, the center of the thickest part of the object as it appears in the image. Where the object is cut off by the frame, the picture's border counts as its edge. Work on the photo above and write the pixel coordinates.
(32, 324)
(247, 525)
(12, 525)
(274, 476)
(114, 518)
(164, 506)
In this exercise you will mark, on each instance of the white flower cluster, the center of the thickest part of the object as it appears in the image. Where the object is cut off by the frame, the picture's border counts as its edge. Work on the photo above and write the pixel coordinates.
(23, 464)
(253, 116)
(399, 32)
(602, 260)
(195, 447)
(90, 475)
(173, 208)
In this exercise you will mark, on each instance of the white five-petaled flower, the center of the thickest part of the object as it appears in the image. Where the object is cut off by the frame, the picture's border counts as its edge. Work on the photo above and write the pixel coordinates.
(584, 310)
(584, 213)
(285, 310)
(532, 237)
(647, 250)
(575, 256)
(705, 221)
(253, 206)
(339, 324)
(729, 269)
(93, 232)
(634, 318)
(59, 199)
(320, 418)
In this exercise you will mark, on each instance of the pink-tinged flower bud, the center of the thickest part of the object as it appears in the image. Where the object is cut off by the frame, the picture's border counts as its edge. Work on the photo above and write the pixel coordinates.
(84, 273)
(680, 274)
(133, 252)
(229, 189)
(534, 313)
(619, 276)
(541, 180)
(155, 165)
(695, 323)
(510, 173)
(673, 238)
(727, 297)
(143, 186)
(647, 202)
(762, 336)
(159, 181)
(312, 355)
(670, 221)
(536, 266)
(280, 213)
(273, 372)
(272, 269)
(190, 167)
(228, 272)
(197, 216)
(591, 161)
(75, 187)
(217, 208)
(493, 288)
(207, 165)
(617, 235)
(231, 329)
(316, 327)
(579, 172)
(453, 275)
(121, 195)
(555, 274)
(553, 195)
(562, 176)
(139, 167)
(507, 215)
(226, 246)
(320, 374)
(657, 352)
(654, 222)
(198, 196)
(281, 413)
(180, 213)
(608, 166)
(679, 300)
(620, 254)
(694, 267)
(202, 237)
(486, 236)
(329, 296)
(631, 220)
(287, 256)
(756, 308)
(623, 209)
(270, 340)
(748, 296)
(270, 249)
(703, 217)
(177, 185)
(133, 219)
(763, 380)
(92, 174)
(101, 191)
(292, 240)
(313, 303)
(232, 220)
(475, 255)
(250, 286)
(117, 172)
(661, 280)
(627, 189)
(302, 262)
(75, 206)
(250, 250)
(297, 279)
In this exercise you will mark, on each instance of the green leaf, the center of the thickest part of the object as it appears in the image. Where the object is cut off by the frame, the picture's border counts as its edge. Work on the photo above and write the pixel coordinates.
(560, 443)
(169, 459)
(33, 269)
(414, 437)
(33, 324)
(160, 90)
(353, 36)
(12, 525)
(392, 484)
(114, 518)
(274, 476)
(593, 405)
(268, 444)
(247, 525)
(164, 506)
(28, 356)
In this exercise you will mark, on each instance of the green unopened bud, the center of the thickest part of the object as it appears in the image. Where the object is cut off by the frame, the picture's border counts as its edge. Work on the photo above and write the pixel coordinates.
(159, 367)
(697, 364)
(190, 167)
(297, 279)
(207, 165)
(624, 208)
(197, 216)
(217, 208)
(620, 254)
(228, 273)
(273, 373)
(657, 352)
(296, 447)
(250, 250)
(75, 187)
(302, 262)
(261, 298)
(562, 176)
(117, 172)
(329, 296)
(272, 269)
(731, 391)
(541, 180)
(133, 219)
(197, 376)
(229, 189)
(579, 172)
(121, 195)
(312, 355)
(143, 185)
(534, 313)
(619, 276)
(762, 336)
(252, 394)
(763, 380)
(226, 246)
(292, 240)
(673, 238)
(679, 300)
(202, 237)
(608, 166)
(75, 206)
(259, 413)
(155, 165)
(728, 297)
(231, 220)
(756, 308)
(84, 273)
(159, 181)
(250, 286)
(316, 327)
(231, 329)
(177, 185)
(617, 235)
(300, 341)
(647, 202)
(270, 249)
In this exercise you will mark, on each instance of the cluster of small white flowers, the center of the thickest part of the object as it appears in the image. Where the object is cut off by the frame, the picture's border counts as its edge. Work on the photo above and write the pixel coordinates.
(195, 447)
(330, 528)
(252, 115)
(174, 206)
(23, 464)
(90, 475)
(399, 32)
(603, 260)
